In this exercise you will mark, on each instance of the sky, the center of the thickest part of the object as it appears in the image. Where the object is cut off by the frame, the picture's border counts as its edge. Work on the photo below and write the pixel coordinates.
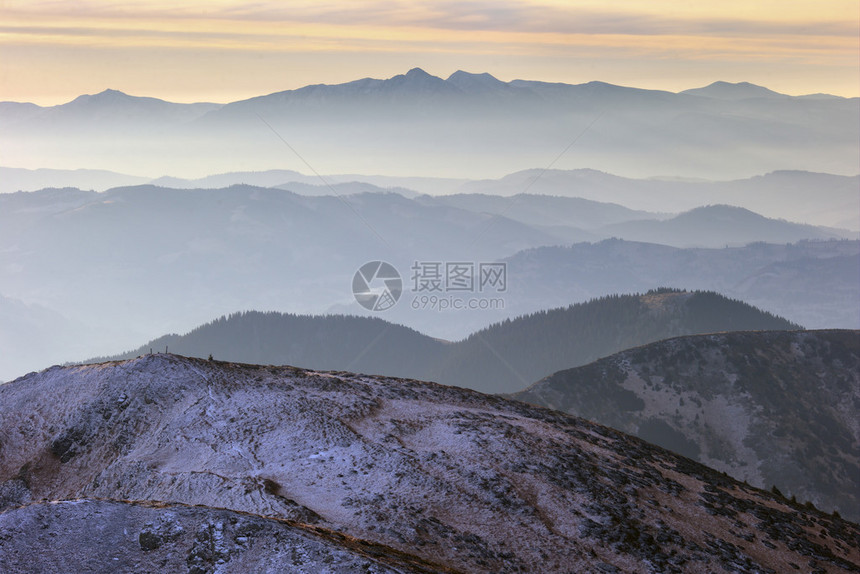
(225, 50)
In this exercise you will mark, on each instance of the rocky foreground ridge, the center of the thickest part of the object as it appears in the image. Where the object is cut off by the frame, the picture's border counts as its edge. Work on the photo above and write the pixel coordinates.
(185, 465)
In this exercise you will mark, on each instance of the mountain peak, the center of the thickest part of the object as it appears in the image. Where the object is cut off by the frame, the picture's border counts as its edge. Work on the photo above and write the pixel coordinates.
(418, 73)
(112, 93)
(734, 91)
(105, 96)
(469, 80)
(415, 81)
(722, 212)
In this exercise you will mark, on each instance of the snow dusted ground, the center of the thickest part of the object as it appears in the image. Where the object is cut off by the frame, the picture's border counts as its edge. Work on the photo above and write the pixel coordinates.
(154, 537)
(468, 481)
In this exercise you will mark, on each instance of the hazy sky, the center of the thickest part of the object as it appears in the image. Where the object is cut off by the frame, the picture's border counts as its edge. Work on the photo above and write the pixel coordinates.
(223, 50)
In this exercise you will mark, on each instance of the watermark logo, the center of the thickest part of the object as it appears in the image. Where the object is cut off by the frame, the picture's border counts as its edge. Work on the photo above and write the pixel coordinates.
(377, 286)
(436, 285)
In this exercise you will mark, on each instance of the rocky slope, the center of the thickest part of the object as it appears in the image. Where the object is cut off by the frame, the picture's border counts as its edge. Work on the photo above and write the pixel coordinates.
(470, 482)
(158, 537)
(771, 408)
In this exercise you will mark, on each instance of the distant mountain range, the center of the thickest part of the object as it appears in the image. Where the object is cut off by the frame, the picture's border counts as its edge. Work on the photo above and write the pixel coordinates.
(502, 358)
(708, 226)
(818, 198)
(814, 283)
(14, 179)
(812, 198)
(93, 112)
(129, 264)
(166, 463)
(464, 126)
(771, 408)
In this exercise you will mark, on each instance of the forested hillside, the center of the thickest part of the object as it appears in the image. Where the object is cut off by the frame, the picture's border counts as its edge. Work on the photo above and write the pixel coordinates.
(503, 358)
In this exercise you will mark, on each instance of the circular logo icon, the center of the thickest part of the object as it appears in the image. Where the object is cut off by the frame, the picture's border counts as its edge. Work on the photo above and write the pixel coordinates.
(377, 286)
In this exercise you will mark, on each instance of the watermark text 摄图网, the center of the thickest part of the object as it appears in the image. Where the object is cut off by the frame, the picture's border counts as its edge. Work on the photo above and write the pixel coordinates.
(459, 276)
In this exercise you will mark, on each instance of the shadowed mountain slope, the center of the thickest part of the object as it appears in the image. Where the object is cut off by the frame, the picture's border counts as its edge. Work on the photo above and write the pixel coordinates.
(510, 355)
(771, 408)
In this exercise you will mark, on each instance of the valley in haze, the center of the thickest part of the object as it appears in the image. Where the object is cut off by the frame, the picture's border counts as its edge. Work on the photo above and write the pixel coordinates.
(97, 273)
